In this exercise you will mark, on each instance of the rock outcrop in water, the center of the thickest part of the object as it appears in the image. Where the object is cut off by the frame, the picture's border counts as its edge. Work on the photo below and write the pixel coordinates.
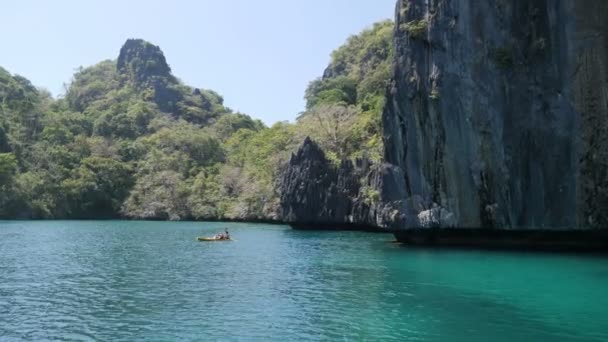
(315, 193)
(498, 112)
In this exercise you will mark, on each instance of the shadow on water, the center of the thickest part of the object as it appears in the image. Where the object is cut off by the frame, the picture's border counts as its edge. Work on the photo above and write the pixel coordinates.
(544, 295)
(508, 250)
(409, 290)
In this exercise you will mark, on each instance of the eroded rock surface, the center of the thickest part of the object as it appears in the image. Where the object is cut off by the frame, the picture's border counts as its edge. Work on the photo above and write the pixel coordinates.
(318, 194)
(498, 112)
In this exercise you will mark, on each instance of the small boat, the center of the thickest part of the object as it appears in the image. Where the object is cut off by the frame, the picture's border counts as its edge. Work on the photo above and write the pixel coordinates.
(212, 239)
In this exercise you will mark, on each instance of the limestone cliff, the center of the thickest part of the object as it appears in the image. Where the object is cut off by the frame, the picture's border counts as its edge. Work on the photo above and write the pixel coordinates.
(143, 66)
(498, 112)
(140, 62)
(315, 193)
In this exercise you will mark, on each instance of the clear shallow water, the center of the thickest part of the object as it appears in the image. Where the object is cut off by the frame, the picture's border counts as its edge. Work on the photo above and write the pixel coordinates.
(127, 281)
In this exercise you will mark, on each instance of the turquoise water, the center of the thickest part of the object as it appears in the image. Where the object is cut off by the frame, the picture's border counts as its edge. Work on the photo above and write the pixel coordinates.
(151, 281)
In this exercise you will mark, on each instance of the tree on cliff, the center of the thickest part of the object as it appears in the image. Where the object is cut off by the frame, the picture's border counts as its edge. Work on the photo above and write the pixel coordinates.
(334, 123)
(358, 75)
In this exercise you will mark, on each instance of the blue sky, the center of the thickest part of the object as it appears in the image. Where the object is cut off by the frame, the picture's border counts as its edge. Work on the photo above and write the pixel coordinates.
(259, 54)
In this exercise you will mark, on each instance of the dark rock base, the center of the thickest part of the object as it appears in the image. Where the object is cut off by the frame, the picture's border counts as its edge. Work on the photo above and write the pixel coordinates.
(338, 227)
(594, 241)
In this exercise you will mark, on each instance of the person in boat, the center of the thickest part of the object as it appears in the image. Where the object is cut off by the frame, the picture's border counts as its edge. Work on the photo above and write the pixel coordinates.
(222, 236)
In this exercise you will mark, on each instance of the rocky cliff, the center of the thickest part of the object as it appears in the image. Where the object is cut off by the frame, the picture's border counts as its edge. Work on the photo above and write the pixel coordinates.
(315, 193)
(141, 62)
(143, 66)
(498, 112)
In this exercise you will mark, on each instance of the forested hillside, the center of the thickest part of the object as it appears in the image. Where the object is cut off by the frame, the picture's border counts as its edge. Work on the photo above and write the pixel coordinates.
(129, 139)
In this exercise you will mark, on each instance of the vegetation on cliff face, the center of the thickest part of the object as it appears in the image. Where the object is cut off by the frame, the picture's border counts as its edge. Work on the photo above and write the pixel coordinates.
(129, 139)
(350, 95)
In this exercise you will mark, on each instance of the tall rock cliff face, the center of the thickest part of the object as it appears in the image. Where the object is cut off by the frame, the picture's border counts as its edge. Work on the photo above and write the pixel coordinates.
(498, 112)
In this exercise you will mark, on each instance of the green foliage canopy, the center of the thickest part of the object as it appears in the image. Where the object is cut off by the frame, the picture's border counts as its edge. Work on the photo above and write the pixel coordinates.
(128, 139)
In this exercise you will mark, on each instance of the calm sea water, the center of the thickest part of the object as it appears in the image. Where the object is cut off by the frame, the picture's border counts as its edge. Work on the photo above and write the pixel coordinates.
(151, 281)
